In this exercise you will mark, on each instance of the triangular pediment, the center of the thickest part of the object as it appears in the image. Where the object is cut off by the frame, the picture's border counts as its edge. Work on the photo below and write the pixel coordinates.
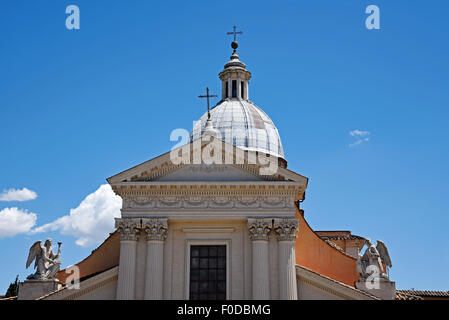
(190, 163)
(211, 172)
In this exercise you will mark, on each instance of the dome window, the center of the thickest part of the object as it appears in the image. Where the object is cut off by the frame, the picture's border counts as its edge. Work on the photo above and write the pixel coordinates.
(234, 88)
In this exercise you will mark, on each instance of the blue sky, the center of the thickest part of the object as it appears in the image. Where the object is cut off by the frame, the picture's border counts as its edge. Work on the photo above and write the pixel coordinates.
(79, 106)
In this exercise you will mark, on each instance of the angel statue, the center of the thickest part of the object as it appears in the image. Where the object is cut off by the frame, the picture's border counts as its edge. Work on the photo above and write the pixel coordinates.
(373, 260)
(46, 262)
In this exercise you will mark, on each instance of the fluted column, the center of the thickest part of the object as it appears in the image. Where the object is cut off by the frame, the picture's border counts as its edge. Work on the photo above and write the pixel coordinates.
(229, 87)
(156, 233)
(286, 230)
(129, 232)
(258, 233)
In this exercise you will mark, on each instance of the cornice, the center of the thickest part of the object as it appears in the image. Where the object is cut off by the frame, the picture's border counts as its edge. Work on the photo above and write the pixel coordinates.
(91, 288)
(86, 286)
(208, 189)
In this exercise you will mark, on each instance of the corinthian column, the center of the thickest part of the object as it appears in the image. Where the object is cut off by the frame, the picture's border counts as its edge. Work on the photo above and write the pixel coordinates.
(156, 230)
(286, 230)
(258, 233)
(129, 232)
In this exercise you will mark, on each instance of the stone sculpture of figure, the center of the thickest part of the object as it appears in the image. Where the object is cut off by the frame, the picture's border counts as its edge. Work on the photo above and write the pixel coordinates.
(373, 260)
(46, 262)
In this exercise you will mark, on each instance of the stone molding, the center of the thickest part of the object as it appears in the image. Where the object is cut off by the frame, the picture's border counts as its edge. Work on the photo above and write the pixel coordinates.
(285, 229)
(331, 286)
(156, 172)
(129, 228)
(208, 202)
(86, 286)
(259, 229)
(208, 189)
(155, 229)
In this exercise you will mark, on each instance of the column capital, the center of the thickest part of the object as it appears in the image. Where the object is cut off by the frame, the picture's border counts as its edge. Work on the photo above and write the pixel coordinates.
(155, 228)
(259, 229)
(286, 229)
(129, 228)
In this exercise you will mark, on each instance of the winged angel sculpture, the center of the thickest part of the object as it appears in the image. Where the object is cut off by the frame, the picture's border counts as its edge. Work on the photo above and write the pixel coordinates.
(46, 262)
(374, 260)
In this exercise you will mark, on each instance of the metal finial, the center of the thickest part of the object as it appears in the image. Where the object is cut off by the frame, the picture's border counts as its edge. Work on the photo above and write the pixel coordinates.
(235, 44)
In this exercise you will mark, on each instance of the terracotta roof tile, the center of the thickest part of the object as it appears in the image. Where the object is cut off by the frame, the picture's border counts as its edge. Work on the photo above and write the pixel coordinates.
(340, 237)
(401, 295)
(426, 293)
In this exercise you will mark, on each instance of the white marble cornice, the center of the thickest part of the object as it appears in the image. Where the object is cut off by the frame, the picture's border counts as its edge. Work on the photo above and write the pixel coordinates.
(209, 189)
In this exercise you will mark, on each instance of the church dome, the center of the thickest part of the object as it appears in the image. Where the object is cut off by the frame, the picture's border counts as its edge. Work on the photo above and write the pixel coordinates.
(243, 125)
(235, 119)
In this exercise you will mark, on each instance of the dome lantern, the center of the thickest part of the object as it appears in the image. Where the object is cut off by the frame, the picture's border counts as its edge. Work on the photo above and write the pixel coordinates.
(235, 77)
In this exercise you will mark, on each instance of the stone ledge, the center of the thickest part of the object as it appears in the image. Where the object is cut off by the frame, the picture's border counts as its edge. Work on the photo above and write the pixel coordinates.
(33, 289)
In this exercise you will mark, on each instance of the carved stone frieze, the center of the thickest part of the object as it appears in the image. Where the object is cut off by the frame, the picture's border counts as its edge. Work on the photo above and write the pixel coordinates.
(138, 202)
(141, 203)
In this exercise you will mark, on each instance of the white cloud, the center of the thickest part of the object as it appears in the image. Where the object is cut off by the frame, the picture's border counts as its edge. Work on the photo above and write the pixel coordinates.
(17, 195)
(92, 220)
(14, 221)
(359, 133)
(360, 136)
